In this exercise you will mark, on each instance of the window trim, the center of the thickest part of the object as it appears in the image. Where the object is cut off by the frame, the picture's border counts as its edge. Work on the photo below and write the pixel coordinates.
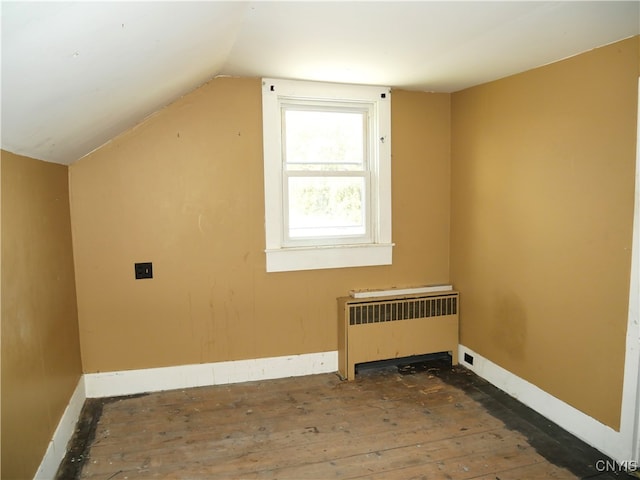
(310, 257)
(365, 110)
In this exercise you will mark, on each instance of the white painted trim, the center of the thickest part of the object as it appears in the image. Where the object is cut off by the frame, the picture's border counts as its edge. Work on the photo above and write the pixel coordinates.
(66, 427)
(338, 256)
(631, 390)
(129, 382)
(616, 445)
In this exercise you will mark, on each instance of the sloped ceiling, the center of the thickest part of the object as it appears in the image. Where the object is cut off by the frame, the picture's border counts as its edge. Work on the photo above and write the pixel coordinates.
(76, 74)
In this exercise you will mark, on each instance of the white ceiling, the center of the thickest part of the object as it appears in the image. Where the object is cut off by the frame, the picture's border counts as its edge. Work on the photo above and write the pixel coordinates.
(76, 74)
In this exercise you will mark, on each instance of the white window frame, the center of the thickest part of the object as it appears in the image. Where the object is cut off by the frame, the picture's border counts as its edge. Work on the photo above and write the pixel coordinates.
(282, 256)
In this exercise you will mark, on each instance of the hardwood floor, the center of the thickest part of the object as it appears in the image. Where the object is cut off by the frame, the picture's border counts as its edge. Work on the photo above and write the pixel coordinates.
(423, 421)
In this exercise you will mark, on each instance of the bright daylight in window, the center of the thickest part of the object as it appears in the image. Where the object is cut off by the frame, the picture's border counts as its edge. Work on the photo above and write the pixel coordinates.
(327, 175)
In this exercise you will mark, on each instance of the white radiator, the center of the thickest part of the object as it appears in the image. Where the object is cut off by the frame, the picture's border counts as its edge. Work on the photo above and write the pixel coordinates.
(371, 329)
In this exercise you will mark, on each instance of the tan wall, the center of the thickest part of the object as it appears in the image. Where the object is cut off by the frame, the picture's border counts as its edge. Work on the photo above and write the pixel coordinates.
(542, 205)
(40, 346)
(185, 191)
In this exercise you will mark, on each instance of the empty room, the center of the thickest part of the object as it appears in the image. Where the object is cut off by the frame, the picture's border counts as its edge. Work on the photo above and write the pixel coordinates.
(315, 240)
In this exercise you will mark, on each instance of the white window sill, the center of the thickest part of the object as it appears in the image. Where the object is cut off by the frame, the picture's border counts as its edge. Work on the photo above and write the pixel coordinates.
(334, 256)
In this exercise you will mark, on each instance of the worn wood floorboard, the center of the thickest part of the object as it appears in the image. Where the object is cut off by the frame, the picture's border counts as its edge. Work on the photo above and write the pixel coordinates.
(429, 424)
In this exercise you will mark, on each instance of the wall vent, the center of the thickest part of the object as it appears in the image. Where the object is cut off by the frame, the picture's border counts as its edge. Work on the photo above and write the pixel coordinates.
(402, 309)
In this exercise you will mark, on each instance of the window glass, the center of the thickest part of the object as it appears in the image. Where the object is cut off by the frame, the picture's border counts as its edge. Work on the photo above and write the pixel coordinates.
(326, 206)
(324, 140)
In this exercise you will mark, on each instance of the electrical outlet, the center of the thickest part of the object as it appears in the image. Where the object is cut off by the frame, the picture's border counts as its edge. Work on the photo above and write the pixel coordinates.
(144, 270)
(468, 358)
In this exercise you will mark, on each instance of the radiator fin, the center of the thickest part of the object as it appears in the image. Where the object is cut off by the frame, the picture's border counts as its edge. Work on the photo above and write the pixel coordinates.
(402, 309)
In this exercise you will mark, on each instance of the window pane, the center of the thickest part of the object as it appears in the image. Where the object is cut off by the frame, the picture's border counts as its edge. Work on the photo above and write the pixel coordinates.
(324, 140)
(326, 206)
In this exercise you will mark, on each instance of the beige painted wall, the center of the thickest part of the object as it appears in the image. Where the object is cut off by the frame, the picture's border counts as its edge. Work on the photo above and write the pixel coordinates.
(542, 205)
(185, 191)
(40, 345)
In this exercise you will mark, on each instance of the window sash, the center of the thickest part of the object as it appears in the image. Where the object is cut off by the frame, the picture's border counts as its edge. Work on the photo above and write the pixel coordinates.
(344, 238)
(362, 109)
(292, 169)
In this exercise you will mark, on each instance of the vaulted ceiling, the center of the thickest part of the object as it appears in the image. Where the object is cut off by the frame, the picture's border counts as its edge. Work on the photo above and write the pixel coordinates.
(76, 74)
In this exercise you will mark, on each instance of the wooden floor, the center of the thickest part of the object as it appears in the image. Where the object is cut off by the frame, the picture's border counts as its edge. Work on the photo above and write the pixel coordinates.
(425, 422)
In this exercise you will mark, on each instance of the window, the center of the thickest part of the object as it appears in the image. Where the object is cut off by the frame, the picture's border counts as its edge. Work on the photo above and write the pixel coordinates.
(327, 163)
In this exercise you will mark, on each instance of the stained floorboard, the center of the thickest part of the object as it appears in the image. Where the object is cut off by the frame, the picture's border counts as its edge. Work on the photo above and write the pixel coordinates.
(424, 420)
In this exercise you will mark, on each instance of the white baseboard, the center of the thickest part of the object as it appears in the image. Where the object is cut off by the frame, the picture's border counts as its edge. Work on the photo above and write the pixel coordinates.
(58, 445)
(616, 445)
(130, 382)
